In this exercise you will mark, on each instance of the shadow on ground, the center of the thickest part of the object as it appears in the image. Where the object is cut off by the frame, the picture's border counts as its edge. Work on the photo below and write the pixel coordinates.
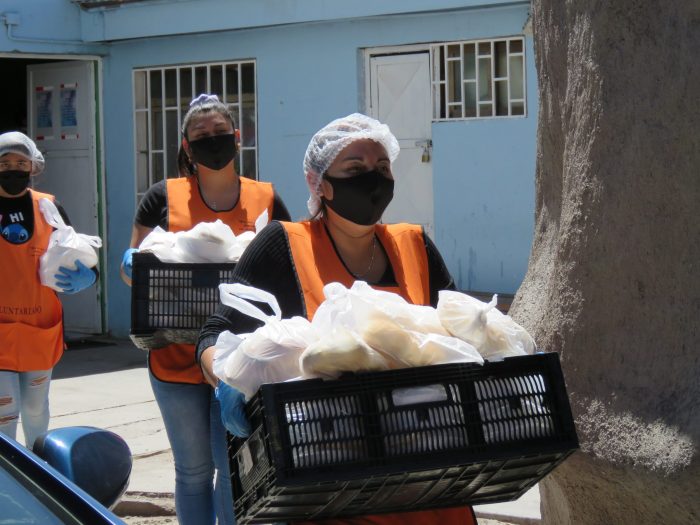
(98, 356)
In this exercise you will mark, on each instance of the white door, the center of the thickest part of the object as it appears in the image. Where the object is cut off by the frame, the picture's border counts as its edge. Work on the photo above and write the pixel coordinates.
(61, 113)
(400, 97)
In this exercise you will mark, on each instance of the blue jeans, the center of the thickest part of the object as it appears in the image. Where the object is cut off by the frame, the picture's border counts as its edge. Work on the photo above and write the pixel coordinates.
(198, 439)
(25, 395)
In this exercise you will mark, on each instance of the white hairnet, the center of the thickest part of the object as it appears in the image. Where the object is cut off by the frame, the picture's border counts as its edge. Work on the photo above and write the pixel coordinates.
(333, 138)
(19, 143)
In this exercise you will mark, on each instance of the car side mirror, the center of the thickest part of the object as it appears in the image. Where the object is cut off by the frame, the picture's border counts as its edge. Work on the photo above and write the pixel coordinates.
(98, 461)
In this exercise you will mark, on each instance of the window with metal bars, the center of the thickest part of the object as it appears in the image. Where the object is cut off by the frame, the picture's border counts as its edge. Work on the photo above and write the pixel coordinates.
(162, 96)
(479, 79)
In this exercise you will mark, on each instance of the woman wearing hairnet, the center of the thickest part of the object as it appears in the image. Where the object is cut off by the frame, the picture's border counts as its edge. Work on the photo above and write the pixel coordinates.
(348, 171)
(208, 188)
(31, 317)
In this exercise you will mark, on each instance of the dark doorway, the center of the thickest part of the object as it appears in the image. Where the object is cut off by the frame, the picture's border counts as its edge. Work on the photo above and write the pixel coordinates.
(13, 92)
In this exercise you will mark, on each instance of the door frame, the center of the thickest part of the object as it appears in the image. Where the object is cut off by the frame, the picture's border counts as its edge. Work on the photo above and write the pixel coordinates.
(99, 160)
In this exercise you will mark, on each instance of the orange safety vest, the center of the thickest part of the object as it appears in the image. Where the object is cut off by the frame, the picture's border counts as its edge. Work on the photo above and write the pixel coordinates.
(176, 363)
(316, 263)
(31, 316)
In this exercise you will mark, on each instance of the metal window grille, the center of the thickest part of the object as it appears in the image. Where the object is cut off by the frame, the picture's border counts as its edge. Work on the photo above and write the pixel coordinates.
(479, 79)
(162, 96)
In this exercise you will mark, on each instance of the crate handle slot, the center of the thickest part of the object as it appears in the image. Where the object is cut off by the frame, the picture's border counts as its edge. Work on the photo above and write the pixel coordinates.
(420, 395)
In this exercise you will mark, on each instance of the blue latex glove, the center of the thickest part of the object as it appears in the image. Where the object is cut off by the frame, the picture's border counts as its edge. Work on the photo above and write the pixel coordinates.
(127, 261)
(232, 410)
(73, 281)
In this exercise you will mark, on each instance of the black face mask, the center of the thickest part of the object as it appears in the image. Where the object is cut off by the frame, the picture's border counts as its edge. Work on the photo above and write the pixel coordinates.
(214, 152)
(361, 199)
(14, 182)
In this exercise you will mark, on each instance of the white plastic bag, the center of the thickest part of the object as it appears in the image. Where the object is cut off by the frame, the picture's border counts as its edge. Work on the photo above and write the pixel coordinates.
(268, 355)
(493, 333)
(207, 242)
(160, 243)
(357, 306)
(404, 334)
(65, 247)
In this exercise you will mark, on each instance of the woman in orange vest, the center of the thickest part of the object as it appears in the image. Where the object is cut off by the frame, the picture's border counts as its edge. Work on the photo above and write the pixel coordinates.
(348, 171)
(208, 189)
(31, 317)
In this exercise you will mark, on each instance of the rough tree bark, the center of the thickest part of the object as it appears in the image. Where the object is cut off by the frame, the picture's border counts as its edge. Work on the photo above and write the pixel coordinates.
(613, 282)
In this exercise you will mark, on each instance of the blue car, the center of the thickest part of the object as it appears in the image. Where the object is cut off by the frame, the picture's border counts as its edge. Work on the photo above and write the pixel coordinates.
(72, 477)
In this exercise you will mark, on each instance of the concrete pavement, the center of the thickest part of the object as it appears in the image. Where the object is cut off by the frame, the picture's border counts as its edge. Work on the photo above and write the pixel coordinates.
(104, 383)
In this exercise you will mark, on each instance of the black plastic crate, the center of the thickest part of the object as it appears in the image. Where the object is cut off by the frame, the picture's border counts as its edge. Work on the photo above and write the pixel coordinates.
(171, 301)
(401, 440)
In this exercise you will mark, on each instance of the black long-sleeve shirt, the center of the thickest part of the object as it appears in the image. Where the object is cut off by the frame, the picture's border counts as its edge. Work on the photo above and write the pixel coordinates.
(267, 264)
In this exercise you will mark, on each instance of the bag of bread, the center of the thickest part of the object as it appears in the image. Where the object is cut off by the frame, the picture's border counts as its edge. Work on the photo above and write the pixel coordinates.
(403, 333)
(339, 350)
(494, 334)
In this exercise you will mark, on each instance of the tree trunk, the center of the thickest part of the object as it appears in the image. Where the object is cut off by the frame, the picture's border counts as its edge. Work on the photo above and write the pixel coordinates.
(613, 282)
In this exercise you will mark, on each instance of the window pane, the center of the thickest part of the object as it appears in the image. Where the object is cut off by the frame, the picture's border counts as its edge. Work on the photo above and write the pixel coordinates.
(157, 159)
(517, 108)
(469, 62)
(200, 81)
(501, 98)
(453, 51)
(485, 79)
(501, 64)
(172, 141)
(235, 113)
(171, 87)
(217, 81)
(485, 110)
(485, 48)
(516, 77)
(249, 168)
(247, 125)
(470, 99)
(142, 182)
(232, 83)
(442, 63)
(185, 88)
(140, 90)
(157, 129)
(455, 112)
(516, 46)
(156, 90)
(248, 81)
(454, 84)
(443, 99)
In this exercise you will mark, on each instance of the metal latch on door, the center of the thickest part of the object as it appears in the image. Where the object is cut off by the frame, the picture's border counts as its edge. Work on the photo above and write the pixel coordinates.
(427, 145)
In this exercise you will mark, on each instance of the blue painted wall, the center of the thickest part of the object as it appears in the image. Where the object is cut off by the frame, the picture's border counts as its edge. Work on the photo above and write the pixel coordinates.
(484, 185)
(307, 74)
(45, 26)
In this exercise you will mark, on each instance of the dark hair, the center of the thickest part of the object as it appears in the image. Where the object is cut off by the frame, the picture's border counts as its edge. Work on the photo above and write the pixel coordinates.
(184, 165)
